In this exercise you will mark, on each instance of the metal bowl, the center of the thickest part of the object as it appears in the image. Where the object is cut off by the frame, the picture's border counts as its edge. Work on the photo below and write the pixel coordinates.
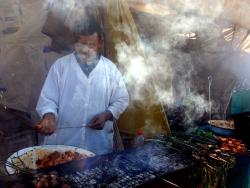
(222, 127)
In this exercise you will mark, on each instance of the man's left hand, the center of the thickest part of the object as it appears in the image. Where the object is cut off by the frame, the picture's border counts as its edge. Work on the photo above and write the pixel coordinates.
(98, 121)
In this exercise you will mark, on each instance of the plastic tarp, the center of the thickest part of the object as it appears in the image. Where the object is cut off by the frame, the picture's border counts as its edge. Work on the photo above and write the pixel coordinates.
(145, 113)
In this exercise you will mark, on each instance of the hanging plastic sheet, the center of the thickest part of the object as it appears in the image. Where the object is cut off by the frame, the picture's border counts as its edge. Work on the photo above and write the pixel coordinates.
(144, 112)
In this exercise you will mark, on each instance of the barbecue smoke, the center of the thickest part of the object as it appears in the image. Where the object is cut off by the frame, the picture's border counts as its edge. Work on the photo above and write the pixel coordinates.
(176, 51)
(167, 60)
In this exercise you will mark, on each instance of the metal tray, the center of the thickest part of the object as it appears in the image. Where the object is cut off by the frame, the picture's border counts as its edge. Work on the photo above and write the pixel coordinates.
(27, 157)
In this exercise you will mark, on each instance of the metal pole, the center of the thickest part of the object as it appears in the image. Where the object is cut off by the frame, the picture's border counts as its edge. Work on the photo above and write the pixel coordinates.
(209, 95)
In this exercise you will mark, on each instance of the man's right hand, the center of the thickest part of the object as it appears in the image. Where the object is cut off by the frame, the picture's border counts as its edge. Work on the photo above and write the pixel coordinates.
(48, 124)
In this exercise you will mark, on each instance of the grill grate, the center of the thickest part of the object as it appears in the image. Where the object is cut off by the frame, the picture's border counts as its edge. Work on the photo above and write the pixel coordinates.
(125, 169)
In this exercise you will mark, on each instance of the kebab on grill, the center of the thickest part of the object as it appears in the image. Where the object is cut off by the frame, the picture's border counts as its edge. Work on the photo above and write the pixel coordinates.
(232, 145)
(50, 180)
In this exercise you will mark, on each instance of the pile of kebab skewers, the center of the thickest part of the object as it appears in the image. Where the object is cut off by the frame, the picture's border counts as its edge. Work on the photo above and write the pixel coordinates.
(213, 155)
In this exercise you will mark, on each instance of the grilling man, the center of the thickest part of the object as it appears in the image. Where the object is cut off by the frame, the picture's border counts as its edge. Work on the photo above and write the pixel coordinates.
(82, 94)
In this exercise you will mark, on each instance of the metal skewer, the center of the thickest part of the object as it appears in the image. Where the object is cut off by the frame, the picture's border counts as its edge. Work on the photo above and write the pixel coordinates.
(69, 127)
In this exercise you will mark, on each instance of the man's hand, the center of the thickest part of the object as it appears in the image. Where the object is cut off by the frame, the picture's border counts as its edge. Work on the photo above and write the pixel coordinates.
(48, 124)
(98, 121)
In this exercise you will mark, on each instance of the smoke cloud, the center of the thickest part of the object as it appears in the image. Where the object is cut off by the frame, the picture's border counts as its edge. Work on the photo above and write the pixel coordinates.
(164, 61)
(181, 48)
(180, 52)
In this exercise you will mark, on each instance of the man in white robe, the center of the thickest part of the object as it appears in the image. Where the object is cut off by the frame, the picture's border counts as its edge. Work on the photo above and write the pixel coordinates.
(81, 96)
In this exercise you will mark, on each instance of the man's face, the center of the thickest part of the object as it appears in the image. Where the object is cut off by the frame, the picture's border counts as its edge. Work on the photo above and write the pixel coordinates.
(87, 47)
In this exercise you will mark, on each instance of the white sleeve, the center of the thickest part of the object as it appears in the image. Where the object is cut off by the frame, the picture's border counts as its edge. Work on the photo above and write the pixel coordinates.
(49, 97)
(119, 96)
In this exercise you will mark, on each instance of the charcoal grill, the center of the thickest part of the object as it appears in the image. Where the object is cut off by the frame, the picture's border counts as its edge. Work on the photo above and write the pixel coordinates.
(129, 168)
(134, 167)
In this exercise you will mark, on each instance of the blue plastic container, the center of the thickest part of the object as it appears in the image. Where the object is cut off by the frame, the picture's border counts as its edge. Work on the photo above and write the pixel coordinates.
(222, 131)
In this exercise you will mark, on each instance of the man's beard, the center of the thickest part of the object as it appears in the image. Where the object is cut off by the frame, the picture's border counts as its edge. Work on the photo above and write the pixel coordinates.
(87, 59)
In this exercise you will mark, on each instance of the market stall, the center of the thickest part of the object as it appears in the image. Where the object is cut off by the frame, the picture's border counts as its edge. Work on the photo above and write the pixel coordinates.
(184, 75)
